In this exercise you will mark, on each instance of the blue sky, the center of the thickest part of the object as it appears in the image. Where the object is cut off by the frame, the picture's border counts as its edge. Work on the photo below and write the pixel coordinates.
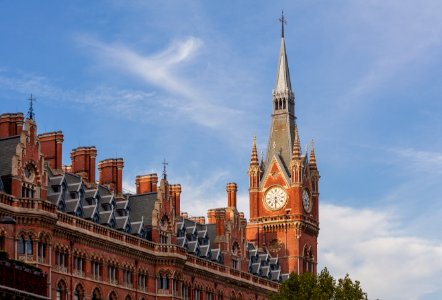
(191, 81)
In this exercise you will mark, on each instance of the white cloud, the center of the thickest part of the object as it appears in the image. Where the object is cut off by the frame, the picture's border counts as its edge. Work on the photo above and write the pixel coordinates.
(166, 70)
(367, 244)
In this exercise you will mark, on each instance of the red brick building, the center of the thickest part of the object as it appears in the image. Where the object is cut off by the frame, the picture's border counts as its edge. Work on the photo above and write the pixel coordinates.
(93, 241)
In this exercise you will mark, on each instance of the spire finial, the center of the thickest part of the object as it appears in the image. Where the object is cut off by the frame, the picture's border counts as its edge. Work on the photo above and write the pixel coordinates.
(31, 107)
(283, 21)
(164, 169)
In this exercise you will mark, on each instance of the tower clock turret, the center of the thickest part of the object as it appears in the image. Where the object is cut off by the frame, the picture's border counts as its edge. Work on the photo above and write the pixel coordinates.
(283, 188)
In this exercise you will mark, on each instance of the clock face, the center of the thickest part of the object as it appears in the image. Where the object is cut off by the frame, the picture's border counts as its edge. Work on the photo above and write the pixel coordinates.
(306, 201)
(275, 198)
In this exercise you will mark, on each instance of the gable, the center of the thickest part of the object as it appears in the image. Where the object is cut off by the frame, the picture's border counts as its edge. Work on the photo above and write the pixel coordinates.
(275, 173)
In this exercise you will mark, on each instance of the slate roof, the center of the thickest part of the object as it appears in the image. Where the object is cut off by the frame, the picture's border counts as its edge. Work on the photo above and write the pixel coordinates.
(8, 147)
(141, 206)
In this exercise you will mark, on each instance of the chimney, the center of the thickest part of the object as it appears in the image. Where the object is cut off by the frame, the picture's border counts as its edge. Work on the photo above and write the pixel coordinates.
(220, 215)
(231, 189)
(175, 190)
(11, 124)
(52, 148)
(67, 168)
(211, 219)
(83, 162)
(111, 174)
(146, 183)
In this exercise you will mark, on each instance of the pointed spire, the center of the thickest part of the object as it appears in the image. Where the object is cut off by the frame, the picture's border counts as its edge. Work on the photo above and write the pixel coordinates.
(312, 161)
(283, 75)
(254, 157)
(296, 146)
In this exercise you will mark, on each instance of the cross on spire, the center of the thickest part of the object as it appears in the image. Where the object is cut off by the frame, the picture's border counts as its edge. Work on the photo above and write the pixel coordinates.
(31, 108)
(164, 169)
(283, 21)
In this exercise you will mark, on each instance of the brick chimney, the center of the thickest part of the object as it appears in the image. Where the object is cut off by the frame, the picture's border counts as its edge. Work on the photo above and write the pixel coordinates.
(175, 190)
(11, 124)
(146, 183)
(211, 218)
(52, 148)
(83, 162)
(111, 174)
(231, 189)
(220, 215)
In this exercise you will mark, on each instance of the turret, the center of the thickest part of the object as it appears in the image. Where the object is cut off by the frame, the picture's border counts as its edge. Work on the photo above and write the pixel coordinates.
(254, 173)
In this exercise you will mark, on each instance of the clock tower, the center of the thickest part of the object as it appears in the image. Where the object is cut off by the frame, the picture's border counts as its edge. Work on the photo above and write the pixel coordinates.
(283, 186)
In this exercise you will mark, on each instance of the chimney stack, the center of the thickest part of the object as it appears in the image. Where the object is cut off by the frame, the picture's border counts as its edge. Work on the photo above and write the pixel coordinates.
(111, 174)
(220, 215)
(52, 148)
(146, 183)
(11, 124)
(175, 190)
(231, 189)
(211, 216)
(83, 162)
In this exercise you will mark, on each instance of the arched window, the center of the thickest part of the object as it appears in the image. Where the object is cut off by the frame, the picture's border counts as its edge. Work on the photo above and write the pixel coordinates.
(61, 293)
(79, 293)
(21, 245)
(128, 297)
(96, 295)
(113, 296)
(29, 246)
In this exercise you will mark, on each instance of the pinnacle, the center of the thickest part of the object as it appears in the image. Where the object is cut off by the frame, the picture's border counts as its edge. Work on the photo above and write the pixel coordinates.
(296, 146)
(254, 157)
(312, 161)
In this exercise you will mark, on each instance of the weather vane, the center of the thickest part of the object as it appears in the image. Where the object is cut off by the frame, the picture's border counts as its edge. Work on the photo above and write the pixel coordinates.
(283, 21)
(164, 169)
(31, 107)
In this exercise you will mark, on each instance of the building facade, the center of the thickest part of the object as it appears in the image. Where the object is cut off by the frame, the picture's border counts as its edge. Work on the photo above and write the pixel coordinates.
(93, 241)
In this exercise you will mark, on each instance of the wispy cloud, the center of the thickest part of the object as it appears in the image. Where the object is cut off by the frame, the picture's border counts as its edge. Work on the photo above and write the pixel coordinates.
(102, 98)
(166, 70)
(367, 244)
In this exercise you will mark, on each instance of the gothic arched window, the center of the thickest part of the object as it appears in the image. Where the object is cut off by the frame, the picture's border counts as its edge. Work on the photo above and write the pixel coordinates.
(96, 295)
(61, 293)
(79, 293)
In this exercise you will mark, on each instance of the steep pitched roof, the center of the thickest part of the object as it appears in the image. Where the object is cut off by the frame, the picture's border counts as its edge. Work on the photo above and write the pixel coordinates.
(7, 150)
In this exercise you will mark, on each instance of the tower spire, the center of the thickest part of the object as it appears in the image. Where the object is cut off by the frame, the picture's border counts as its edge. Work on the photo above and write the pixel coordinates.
(283, 75)
(283, 113)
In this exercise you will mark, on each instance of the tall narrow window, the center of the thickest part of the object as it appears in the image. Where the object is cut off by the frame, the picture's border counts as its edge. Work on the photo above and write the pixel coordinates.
(29, 246)
(96, 270)
(21, 245)
(41, 251)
